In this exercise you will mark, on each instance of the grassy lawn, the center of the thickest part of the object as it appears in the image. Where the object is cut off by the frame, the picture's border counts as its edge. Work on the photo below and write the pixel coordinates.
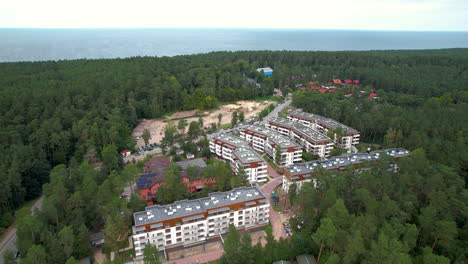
(276, 207)
(127, 255)
(228, 125)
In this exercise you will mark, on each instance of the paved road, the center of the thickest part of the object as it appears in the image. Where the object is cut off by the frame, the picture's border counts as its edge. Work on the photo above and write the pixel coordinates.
(278, 230)
(142, 156)
(9, 238)
(278, 108)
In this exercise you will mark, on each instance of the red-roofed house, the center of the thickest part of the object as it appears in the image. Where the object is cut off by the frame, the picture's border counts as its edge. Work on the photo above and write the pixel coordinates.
(125, 153)
(348, 81)
(322, 90)
(155, 173)
(356, 81)
(315, 88)
(371, 96)
(336, 81)
(287, 86)
(331, 90)
(303, 89)
(311, 82)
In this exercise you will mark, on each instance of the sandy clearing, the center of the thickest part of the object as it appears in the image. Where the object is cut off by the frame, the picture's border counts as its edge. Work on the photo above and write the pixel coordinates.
(156, 126)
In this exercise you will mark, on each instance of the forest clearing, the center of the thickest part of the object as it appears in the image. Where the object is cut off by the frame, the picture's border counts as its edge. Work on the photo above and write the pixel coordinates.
(156, 126)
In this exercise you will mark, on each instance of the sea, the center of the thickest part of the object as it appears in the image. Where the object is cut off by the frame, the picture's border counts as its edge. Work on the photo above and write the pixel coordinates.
(70, 44)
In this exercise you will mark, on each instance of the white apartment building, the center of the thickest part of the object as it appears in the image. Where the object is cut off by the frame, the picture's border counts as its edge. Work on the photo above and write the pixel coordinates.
(310, 139)
(306, 172)
(349, 137)
(240, 155)
(255, 167)
(187, 222)
(269, 141)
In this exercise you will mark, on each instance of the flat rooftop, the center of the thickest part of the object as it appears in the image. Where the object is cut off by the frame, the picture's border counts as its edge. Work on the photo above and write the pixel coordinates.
(299, 128)
(274, 136)
(196, 209)
(199, 162)
(324, 121)
(341, 161)
(232, 140)
(265, 69)
(247, 155)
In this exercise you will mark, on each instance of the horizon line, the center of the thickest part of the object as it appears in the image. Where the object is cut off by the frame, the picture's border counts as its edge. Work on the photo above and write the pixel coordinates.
(242, 28)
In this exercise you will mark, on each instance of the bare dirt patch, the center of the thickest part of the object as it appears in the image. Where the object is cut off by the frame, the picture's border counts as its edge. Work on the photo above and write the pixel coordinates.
(157, 126)
(196, 250)
(258, 237)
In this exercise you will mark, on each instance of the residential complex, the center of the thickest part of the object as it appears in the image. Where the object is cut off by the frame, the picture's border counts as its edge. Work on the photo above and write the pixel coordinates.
(310, 139)
(269, 141)
(187, 222)
(240, 155)
(344, 139)
(305, 172)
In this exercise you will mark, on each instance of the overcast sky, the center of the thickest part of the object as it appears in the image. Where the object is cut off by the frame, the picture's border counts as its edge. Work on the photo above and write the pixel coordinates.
(314, 14)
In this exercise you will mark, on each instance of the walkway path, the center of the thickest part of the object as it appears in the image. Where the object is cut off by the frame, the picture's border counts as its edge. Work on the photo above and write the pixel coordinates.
(278, 230)
(201, 258)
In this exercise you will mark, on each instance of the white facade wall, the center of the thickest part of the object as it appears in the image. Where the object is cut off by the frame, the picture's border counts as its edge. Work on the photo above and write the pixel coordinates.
(198, 231)
(258, 174)
(266, 146)
(287, 183)
(321, 150)
(346, 142)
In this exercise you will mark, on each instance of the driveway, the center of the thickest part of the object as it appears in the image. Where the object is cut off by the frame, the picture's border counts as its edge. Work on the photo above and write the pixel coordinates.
(277, 225)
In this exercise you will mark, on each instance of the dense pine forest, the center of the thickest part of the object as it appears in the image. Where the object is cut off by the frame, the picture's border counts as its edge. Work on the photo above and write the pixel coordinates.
(75, 113)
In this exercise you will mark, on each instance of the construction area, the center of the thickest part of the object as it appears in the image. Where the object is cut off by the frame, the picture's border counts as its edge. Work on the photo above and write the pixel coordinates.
(157, 126)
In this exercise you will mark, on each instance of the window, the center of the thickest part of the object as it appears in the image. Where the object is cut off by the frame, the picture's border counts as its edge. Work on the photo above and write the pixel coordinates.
(168, 230)
(169, 242)
(179, 234)
(178, 228)
(179, 240)
(168, 236)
